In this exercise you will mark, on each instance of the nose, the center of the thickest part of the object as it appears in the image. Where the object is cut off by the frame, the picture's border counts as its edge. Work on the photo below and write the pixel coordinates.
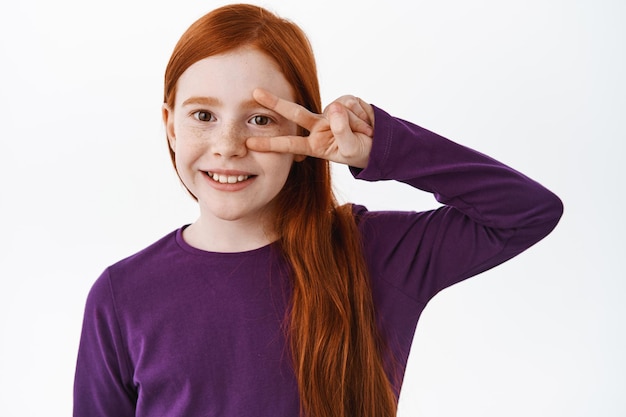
(230, 141)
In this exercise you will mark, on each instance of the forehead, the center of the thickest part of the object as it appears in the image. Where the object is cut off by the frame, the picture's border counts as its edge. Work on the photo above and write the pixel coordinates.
(233, 76)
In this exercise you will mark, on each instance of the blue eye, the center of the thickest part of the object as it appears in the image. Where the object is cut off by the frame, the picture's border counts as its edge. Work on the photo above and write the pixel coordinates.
(203, 116)
(260, 120)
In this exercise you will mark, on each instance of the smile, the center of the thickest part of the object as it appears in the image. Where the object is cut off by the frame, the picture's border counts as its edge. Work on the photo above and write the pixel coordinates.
(227, 179)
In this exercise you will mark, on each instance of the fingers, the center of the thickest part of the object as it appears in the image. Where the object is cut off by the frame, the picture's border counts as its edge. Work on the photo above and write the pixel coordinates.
(354, 148)
(361, 114)
(340, 121)
(297, 145)
(368, 110)
(285, 108)
(354, 105)
(358, 125)
(342, 134)
(360, 108)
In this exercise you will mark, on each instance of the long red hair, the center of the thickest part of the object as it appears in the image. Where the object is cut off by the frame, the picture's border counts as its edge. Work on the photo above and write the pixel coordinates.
(331, 326)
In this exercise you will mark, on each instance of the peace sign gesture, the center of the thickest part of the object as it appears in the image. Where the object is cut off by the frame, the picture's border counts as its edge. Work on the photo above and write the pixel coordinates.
(343, 133)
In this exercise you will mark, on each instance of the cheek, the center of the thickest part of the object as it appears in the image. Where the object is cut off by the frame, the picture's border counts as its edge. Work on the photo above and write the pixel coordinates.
(277, 165)
(187, 151)
(190, 139)
(282, 167)
(190, 132)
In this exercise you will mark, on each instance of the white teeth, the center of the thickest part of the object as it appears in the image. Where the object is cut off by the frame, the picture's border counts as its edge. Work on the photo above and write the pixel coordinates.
(228, 179)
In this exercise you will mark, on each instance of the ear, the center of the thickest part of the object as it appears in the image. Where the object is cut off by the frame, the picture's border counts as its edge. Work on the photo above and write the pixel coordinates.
(299, 158)
(168, 121)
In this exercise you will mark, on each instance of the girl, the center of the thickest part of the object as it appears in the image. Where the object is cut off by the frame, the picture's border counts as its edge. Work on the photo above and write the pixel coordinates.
(277, 301)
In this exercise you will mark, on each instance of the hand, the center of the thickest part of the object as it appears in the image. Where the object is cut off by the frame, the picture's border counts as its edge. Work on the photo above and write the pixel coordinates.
(342, 133)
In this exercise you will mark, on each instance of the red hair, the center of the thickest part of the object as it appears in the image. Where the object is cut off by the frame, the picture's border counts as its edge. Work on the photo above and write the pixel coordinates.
(331, 325)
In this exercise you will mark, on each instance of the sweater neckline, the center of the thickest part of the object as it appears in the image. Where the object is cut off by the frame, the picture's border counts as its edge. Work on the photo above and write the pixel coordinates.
(197, 251)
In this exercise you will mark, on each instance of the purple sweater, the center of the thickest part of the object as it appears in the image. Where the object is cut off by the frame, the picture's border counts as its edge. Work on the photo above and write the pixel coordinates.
(177, 331)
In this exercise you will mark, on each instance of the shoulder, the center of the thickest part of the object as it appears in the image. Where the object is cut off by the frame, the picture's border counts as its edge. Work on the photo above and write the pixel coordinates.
(144, 263)
(164, 247)
(126, 281)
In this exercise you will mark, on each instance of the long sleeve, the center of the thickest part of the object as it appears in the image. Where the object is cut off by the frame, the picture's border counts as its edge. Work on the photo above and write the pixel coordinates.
(491, 212)
(102, 385)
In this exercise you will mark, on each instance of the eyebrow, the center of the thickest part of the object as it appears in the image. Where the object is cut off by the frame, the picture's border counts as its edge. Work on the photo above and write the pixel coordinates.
(215, 102)
(207, 101)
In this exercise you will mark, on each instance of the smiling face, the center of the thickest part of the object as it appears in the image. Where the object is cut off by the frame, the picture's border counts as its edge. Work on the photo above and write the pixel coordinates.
(213, 115)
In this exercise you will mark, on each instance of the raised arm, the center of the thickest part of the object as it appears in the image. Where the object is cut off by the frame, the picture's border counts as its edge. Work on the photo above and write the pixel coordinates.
(491, 212)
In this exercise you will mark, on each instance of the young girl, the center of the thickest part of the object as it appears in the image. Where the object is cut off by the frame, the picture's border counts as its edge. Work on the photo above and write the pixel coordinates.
(276, 301)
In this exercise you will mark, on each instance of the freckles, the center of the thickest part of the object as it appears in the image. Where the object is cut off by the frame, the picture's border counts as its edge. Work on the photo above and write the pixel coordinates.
(277, 131)
(197, 132)
(192, 137)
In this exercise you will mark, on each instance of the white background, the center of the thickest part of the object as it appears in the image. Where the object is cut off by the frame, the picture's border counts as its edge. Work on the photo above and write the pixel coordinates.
(539, 84)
